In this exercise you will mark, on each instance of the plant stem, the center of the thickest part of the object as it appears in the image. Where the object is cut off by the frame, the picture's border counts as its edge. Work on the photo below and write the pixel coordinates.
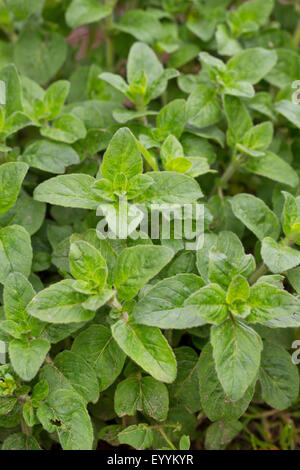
(141, 107)
(144, 121)
(170, 443)
(169, 336)
(114, 303)
(25, 429)
(296, 39)
(164, 98)
(260, 271)
(227, 175)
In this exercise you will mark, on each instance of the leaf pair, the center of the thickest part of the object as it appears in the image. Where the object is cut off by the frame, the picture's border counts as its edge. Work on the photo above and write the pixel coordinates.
(256, 215)
(145, 75)
(237, 77)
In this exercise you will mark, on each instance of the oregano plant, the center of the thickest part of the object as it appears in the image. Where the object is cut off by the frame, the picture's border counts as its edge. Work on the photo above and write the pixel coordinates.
(149, 224)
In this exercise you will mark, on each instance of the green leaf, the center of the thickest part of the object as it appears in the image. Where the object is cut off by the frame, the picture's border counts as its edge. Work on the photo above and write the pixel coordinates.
(110, 433)
(55, 98)
(27, 356)
(60, 303)
(268, 302)
(138, 185)
(105, 189)
(294, 278)
(66, 128)
(15, 251)
(147, 347)
(17, 294)
(94, 238)
(68, 191)
(145, 394)
(273, 279)
(19, 441)
(138, 88)
(127, 399)
(39, 55)
(238, 289)
(22, 9)
(125, 115)
(13, 90)
(50, 156)
(171, 148)
(87, 264)
(29, 414)
(82, 12)
(116, 81)
(7, 405)
(139, 436)
(273, 167)
(259, 138)
(286, 321)
(250, 16)
(71, 371)
(122, 156)
(171, 119)
(72, 422)
(94, 302)
(240, 67)
(212, 62)
(198, 166)
(6, 53)
(227, 45)
(26, 212)
(278, 376)
(164, 304)
(225, 251)
(140, 24)
(286, 71)
(185, 390)
(290, 111)
(14, 123)
(240, 88)
(217, 406)
(209, 303)
(221, 433)
(171, 188)
(239, 120)
(208, 7)
(184, 54)
(203, 107)
(11, 177)
(97, 346)
(223, 267)
(256, 215)
(184, 443)
(262, 103)
(290, 214)
(13, 329)
(137, 265)
(142, 59)
(204, 27)
(278, 257)
(159, 85)
(155, 398)
(236, 350)
(40, 390)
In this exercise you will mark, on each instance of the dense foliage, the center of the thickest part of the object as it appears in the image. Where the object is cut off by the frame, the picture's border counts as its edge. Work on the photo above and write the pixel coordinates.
(109, 108)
